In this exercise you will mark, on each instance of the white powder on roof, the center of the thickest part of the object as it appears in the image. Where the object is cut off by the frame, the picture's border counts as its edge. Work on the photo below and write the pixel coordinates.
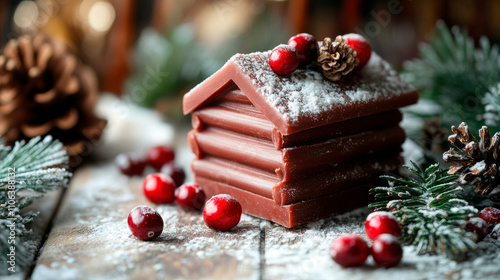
(307, 93)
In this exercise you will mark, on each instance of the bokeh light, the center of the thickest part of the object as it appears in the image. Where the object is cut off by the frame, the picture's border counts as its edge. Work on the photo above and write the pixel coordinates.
(26, 14)
(101, 16)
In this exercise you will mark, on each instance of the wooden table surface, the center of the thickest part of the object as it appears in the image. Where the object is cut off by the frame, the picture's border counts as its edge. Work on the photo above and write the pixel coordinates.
(90, 239)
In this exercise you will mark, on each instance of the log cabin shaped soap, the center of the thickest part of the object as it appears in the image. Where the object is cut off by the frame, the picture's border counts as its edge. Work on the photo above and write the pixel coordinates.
(296, 148)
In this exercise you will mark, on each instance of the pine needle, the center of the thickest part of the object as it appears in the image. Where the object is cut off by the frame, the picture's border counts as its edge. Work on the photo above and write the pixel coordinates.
(452, 72)
(32, 168)
(429, 208)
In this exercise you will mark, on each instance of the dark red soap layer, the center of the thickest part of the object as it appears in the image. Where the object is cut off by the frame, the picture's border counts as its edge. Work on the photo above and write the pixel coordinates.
(296, 162)
(237, 120)
(331, 180)
(295, 214)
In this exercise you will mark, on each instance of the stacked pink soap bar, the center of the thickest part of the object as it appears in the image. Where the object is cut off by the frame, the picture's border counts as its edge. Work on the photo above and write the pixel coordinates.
(295, 148)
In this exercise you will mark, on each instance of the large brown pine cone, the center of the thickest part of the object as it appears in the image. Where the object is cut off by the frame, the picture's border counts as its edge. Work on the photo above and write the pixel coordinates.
(336, 58)
(44, 89)
(478, 161)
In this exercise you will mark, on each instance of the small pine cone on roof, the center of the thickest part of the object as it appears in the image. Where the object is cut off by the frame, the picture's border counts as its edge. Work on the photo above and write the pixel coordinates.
(44, 89)
(336, 58)
(477, 162)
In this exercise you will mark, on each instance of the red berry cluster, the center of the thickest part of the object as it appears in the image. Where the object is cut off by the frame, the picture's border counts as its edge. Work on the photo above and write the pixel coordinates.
(161, 158)
(160, 187)
(221, 212)
(487, 222)
(302, 49)
(381, 227)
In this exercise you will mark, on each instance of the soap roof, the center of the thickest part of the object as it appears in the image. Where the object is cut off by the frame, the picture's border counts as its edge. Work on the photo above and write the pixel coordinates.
(305, 98)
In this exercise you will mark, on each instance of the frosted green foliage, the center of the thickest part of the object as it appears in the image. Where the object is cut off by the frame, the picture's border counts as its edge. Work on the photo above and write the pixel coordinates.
(491, 103)
(455, 74)
(27, 171)
(430, 210)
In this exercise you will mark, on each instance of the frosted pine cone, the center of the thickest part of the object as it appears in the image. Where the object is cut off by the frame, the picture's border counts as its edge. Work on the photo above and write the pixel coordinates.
(44, 90)
(478, 163)
(336, 58)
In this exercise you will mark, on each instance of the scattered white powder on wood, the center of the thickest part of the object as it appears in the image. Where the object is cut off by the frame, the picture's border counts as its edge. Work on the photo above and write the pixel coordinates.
(187, 249)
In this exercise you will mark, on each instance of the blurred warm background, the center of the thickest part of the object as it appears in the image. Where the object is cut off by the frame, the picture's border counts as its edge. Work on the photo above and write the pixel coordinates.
(181, 42)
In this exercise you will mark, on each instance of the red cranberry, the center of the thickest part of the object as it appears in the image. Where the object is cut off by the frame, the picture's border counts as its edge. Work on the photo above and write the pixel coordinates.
(478, 226)
(491, 216)
(131, 164)
(222, 212)
(190, 197)
(361, 46)
(386, 250)
(159, 188)
(145, 223)
(349, 250)
(160, 155)
(381, 222)
(174, 172)
(306, 46)
(283, 60)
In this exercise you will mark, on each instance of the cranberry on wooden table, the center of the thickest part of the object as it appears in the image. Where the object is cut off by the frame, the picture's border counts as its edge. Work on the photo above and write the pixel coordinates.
(491, 215)
(175, 172)
(381, 222)
(145, 223)
(349, 250)
(130, 164)
(222, 212)
(479, 227)
(159, 188)
(160, 155)
(386, 250)
(190, 197)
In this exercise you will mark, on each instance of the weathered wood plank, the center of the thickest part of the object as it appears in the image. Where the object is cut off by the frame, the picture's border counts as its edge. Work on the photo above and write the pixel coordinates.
(46, 206)
(91, 240)
(302, 253)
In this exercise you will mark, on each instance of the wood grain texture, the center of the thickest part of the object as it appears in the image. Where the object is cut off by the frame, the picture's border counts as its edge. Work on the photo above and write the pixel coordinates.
(46, 206)
(91, 240)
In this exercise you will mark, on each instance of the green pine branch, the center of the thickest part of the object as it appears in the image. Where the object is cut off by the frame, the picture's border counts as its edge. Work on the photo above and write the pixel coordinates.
(429, 208)
(455, 74)
(491, 102)
(27, 171)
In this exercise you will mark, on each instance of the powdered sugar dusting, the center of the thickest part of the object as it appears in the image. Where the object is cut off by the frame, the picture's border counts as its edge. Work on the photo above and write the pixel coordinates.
(290, 48)
(306, 93)
(302, 253)
(91, 240)
(355, 36)
(224, 196)
(382, 213)
(389, 238)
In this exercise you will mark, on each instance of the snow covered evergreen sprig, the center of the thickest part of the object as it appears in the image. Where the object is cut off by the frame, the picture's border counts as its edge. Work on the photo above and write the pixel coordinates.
(491, 102)
(27, 171)
(429, 208)
(456, 73)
